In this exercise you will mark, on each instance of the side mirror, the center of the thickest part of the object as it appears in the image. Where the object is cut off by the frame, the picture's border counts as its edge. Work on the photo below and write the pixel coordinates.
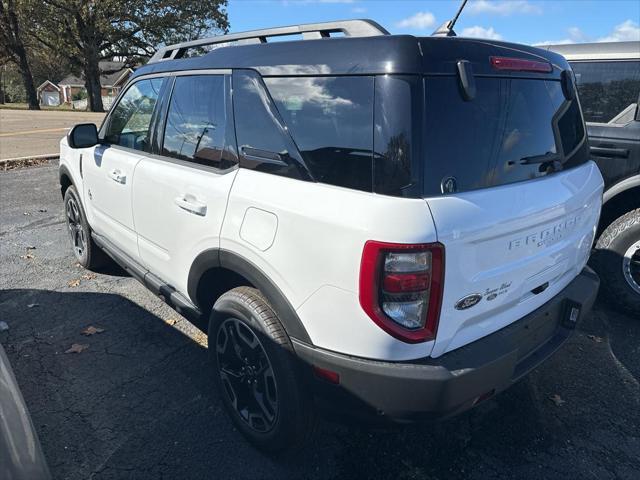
(83, 135)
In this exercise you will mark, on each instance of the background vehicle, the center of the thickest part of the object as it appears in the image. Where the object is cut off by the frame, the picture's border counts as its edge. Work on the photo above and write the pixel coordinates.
(21, 457)
(608, 78)
(398, 225)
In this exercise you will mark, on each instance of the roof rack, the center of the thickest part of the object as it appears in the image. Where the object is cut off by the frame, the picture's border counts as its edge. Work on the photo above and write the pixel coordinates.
(350, 28)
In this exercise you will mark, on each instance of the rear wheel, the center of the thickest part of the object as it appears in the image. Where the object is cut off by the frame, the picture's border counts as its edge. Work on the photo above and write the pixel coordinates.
(256, 373)
(617, 261)
(87, 253)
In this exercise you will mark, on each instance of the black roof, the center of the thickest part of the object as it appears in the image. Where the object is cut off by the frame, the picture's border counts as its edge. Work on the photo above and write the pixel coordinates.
(384, 54)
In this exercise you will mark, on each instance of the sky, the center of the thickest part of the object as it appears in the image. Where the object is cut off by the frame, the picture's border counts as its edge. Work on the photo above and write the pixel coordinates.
(522, 21)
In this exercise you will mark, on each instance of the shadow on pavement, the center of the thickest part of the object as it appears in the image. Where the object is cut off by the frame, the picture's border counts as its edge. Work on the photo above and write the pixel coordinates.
(138, 402)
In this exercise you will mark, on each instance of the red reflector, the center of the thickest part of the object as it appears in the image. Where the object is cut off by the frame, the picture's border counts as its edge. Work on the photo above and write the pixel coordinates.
(405, 282)
(328, 375)
(519, 64)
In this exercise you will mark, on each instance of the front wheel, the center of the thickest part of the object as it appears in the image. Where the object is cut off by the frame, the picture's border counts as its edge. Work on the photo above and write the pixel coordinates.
(617, 261)
(256, 373)
(87, 253)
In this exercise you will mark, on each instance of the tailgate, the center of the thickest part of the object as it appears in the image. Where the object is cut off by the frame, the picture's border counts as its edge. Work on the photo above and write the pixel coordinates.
(516, 246)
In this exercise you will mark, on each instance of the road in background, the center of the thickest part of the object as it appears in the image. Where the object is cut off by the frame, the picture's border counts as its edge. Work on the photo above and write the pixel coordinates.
(138, 401)
(31, 133)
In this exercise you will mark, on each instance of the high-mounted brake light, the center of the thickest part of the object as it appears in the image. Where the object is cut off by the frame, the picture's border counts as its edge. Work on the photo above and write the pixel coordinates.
(520, 65)
(401, 288)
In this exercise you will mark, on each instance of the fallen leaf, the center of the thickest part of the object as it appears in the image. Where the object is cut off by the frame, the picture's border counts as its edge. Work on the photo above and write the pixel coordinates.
(4, 326)
(31, 305)
(595, 338)
(557, 399)
(28, 256)
(77, 264)
(89, 276)
(74, 283)
(91, 330)
(42, 210)
(172, 321)
(30, 247)
(26, 213)
(77, 348)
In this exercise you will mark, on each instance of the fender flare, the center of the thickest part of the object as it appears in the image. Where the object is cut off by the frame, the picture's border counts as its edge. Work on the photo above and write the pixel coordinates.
(621, 187)
(63, 170)
(216, 258)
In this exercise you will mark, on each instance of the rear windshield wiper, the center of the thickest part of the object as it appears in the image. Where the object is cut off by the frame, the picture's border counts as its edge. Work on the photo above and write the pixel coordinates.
(548, 160)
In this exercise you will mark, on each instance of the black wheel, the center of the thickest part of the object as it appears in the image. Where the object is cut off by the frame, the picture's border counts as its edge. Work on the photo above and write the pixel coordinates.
(617, 261)
(84, 248)
(256, 373)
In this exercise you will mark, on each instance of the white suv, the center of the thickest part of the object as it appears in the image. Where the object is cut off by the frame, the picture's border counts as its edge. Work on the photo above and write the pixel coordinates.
(385, 226)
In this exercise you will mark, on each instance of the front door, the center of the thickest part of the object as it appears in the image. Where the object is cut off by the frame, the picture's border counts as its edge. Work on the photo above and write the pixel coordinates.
(108, 168)
(180, 193)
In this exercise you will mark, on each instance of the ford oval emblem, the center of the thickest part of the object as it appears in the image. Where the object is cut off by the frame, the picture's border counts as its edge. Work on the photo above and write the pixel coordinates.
(468, 301)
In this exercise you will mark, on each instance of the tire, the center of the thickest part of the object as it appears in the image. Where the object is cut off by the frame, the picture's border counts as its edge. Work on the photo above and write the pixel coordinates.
(617, 261)
(87, 253)
(284, 418)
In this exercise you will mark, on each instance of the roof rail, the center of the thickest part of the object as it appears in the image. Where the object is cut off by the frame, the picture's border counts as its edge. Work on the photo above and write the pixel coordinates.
(350, 28)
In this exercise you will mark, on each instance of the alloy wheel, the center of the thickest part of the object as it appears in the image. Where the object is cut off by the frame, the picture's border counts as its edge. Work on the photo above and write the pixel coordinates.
(247, 375)
(631, 266)
(76, 230)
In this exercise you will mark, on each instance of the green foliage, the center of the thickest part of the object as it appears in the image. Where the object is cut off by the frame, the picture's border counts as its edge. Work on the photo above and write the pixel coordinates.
(79, 95)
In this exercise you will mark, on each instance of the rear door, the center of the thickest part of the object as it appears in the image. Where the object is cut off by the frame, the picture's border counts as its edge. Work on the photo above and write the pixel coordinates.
(109, 167)
(609, 93)
(513, 197)
(180, 190)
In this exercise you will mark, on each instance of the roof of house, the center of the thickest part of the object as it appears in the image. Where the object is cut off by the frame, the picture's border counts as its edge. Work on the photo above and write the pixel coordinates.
(47, 82)
(111, 73)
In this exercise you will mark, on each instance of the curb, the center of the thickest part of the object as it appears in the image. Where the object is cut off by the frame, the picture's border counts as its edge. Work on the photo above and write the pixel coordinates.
(10, 163)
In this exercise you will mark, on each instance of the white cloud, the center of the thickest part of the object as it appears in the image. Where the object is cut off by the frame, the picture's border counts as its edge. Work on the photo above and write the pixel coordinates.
(503, 7)
(419, 21)
(481, 32)
(575, 36)
(625, 32)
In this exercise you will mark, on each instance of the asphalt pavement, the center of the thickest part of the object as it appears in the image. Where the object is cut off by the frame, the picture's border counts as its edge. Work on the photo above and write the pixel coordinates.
(26, 133)
(138, 401)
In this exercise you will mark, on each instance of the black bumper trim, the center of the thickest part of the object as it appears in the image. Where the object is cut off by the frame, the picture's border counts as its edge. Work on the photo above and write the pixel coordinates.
(439, 387)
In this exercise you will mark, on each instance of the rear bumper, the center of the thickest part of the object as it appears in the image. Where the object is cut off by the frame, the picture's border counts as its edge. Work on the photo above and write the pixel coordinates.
(447, 385)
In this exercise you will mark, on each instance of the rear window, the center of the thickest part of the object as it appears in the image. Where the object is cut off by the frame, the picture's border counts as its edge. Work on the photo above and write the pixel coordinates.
(513, 130)
(608, 90)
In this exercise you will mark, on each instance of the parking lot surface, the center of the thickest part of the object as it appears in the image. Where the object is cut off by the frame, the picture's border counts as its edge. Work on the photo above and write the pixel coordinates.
(29, 133)
(138, 402)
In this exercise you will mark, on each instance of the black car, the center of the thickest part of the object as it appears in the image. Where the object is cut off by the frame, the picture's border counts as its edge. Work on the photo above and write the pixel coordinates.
(608, 79)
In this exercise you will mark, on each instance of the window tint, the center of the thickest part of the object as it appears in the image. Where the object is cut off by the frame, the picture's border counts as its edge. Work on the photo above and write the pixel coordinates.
(331, 122)
(263, 140)
(129, 122)
(196, 120)
(504, 135)
(607, 89)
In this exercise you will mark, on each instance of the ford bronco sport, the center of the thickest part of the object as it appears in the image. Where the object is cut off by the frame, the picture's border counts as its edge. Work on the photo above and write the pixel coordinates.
(608, 81)
(379, 225)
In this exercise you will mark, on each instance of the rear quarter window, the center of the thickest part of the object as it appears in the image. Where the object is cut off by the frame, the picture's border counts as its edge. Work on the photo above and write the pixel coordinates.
(608, 89)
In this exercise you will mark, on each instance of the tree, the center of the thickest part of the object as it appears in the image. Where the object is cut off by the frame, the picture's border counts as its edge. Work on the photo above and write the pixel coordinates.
(12, 47)
(88, 31)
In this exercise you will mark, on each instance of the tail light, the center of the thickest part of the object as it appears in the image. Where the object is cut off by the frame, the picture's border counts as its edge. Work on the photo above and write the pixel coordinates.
(520, 65)
(401, 288)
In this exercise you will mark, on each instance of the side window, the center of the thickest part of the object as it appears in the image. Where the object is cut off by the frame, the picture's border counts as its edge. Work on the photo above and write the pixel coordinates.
(263, 141)
(331, 121)
(196, 120)
(608, 90)
(130, 119)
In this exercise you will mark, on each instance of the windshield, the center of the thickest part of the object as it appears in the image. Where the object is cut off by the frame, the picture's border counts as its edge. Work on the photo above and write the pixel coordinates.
(514, 129)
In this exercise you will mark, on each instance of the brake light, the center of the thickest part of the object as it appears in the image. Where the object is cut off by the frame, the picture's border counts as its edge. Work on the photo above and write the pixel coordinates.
(520, 65)
(401, 288)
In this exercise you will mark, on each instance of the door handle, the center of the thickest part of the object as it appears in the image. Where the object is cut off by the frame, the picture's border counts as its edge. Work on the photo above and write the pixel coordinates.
(610, 152)
(191, 204)
(118, 176)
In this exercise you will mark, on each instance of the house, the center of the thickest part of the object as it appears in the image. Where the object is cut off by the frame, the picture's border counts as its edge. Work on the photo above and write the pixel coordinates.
(114, 76)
